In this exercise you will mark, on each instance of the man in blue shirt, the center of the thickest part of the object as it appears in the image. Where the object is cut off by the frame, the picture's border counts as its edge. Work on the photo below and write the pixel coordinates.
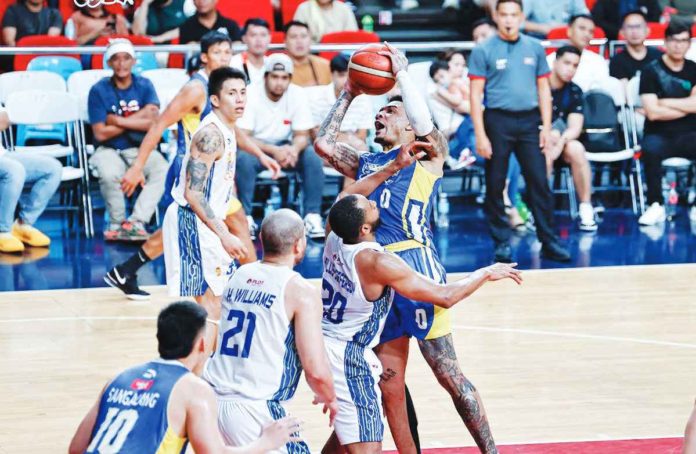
(121, 110)
(512, 70)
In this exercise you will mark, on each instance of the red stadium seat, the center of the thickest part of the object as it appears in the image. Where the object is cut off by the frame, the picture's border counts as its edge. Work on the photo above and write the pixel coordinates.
(656, 30)
(590, 4)
(176, 60)
(241, 10)
(351, 37)
(277, 37)
(4, 4)
(559, 33)
(137, 40)
(288, 8)
(22, 61)
(66, 8)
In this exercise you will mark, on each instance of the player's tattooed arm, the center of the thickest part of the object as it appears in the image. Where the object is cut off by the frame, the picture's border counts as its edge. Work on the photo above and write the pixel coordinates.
(340, 156)
(442, 359)
(439, 142)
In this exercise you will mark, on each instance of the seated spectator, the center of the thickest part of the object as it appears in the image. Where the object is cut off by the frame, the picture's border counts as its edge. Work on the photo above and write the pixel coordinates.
(566, 130)
(91, 22)
(325, 16)
(593, 68)
(310, 70)
(668, 94)
(482, 29)
(628, 64)
(27, 18)
(544, 15)
(608, 13)
(159, 19)
(252, 62)
(207, 18)
(17, 170)
(686, 9)
(278, 119)
(121, 110)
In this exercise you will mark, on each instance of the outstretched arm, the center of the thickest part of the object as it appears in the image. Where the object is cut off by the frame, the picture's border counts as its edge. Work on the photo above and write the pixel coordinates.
(82, 437)
(340, 156)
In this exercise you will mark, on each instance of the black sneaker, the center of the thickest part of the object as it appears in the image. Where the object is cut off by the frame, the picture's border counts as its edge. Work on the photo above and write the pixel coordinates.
(554, 251)
(127, 284)
(503, 253)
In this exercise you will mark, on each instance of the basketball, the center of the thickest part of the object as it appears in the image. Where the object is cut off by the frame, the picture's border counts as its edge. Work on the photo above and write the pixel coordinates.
(371, 72)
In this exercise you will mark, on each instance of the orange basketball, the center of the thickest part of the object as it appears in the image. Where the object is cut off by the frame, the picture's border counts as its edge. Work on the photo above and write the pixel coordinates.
(370, 71)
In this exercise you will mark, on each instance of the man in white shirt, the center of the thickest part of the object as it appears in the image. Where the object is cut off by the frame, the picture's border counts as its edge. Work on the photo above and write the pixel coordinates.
(278, 119)
(593, 68)
(257, 37)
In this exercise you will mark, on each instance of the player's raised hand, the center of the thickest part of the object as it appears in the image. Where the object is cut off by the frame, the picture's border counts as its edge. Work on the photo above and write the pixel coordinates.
(278, 433)
(499, 271)
(398, 59)
(272, 165)
(410, 153)
(233, 246)
(354, 90)
(330, 407)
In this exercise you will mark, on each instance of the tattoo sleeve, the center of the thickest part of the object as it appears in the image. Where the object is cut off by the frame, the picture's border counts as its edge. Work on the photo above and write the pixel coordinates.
(340, 156)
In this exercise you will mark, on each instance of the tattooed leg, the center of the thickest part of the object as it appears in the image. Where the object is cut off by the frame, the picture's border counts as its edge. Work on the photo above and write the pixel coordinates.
(442, 359)
(394, 355)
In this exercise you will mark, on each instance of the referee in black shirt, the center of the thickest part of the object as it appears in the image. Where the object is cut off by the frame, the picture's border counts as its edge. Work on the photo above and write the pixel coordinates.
(512, 71)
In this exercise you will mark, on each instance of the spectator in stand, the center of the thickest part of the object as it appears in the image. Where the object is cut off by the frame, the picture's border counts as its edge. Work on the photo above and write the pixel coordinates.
(17, 170)
(686, 9)
(628, 64)
(544, 15)
(159, 19)
(278, 119)
(566, 129)
(252, 62)
(121, 110)
(668, 94)
(27, 18)
(593, 68)
(482, 29)
(310, 70)
(91, 22)
(608, 13)
(207, 18)
(325, 16)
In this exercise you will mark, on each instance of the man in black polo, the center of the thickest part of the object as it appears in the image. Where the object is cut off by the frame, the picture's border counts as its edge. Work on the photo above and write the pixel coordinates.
(512, 71)
(207, 18)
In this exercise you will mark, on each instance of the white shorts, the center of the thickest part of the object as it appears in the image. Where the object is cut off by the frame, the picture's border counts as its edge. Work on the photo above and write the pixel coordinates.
(241, 423)
(193, 255)
(356, 372)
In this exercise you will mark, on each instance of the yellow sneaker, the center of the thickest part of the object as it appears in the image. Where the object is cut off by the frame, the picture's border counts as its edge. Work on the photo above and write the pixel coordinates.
(30, 236)
(8, 243)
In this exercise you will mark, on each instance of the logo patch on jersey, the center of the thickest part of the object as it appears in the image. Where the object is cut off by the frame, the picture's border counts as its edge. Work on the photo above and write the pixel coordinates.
(531, 61)
(141, 385)
(150, 373)
(254, 282)
(501, 63)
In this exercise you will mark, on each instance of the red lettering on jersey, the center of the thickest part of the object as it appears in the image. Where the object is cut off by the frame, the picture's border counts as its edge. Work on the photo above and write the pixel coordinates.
(141, 385)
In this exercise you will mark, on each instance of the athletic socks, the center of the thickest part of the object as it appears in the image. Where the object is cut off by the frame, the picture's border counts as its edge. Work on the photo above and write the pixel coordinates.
(131, 266)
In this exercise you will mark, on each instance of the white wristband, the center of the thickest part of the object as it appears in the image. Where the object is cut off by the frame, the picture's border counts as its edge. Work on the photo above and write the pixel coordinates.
(415, 105)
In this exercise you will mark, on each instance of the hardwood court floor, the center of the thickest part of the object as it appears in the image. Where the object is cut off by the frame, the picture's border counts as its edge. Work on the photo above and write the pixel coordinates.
(581, 354)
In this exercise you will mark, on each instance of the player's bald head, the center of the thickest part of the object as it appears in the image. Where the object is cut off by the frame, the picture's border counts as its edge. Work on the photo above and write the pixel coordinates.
(281, 231)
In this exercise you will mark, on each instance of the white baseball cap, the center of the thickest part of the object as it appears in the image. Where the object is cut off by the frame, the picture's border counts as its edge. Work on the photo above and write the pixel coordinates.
(279, 62)
(119, 45)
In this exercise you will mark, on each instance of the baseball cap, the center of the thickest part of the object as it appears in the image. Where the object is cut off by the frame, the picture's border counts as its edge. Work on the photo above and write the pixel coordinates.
(117, 46)
(279, 62)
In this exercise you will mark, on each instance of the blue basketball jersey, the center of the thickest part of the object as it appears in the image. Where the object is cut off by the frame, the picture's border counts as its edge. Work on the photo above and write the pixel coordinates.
(405, 201)
(189, 122)
(132, 414)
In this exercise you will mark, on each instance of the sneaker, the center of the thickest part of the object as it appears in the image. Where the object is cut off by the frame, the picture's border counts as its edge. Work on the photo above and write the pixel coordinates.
(127, 284)
(10, 244)
(132, 231)
(587, 218)
(314, 226)
(464, 161)
(655, 214)
(253, 228)
(112, 233)
(554, 251)
(29, 235)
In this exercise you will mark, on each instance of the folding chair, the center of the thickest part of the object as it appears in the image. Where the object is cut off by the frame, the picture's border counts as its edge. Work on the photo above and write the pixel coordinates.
(167, 82)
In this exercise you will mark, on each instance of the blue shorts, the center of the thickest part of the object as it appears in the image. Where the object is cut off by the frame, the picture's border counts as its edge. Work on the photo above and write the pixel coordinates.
(414, 318)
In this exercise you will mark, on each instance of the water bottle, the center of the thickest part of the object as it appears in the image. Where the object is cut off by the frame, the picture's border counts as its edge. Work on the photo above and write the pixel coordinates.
(368, 23)
(443, 208)
(522, 208)
(70, 29)
(672, 201)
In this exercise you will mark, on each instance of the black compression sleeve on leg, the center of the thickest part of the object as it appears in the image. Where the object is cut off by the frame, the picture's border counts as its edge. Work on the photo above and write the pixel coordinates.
(412, 420)
(131, 266)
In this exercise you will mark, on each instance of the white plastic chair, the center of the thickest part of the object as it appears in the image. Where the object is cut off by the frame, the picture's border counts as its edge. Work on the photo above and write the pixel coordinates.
(80, 83)
(167, 82)
(36, 107)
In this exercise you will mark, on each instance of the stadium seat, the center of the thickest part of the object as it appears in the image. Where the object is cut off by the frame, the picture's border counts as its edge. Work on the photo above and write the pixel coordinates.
(277, 37)
(241, 10)
(167, 82)
(3, 7)
(145, 60)
(561, 33)
(347, 37)
(63, 66)
(288, 8)
(176, 60)
(21, 62)
(590, 4)
(66, 8)
(38, 107)
(79, 85)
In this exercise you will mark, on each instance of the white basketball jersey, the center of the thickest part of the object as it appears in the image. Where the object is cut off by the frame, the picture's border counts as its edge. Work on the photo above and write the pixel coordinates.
(348, 315)
(255, 357)
(221, 178)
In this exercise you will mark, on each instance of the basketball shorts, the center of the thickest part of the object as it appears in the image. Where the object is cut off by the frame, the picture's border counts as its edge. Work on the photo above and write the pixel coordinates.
(356, 372)
(416, 318)
(193, 255)
(242, 421)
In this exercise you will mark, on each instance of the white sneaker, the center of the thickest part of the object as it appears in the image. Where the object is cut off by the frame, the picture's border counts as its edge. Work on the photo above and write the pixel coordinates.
(655, 214)
(692, 214)
(450, 4)
(409, 4)
(252, 227)
(314, 226)
(587, 218)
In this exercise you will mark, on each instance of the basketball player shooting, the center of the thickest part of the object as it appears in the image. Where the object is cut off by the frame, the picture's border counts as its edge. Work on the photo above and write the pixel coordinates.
(405, 201)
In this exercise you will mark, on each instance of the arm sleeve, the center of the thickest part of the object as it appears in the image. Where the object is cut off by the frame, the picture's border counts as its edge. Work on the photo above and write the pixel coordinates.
(56, 19)
(10, 18)
(149, 94)
(477, 64)
(96, 106)
(542, 64)
(648, 82)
